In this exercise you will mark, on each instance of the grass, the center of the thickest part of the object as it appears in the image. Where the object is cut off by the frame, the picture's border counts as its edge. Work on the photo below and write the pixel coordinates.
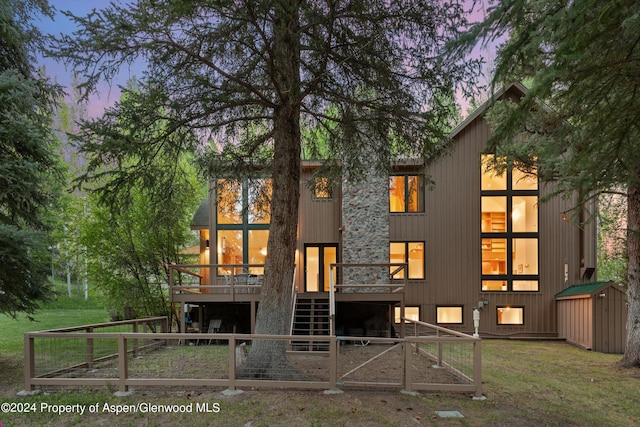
(60, 312)
(526, 383)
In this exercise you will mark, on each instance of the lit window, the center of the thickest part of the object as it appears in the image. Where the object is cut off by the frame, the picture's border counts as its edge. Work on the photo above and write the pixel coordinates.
(510, 315)
(257, 249)
(509, 230)
(242, 227)
(406, 193)
(322, 188)
(524, 181)
(524, 214)
(490, 179)
(412, 313)
(451, 315)
(411, 253)
(229, 202)
(230, 245)
(259, 201)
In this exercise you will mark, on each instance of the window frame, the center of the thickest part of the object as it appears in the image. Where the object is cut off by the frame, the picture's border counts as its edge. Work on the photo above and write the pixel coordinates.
(421, 193)
(327, 187)
(406, 256)
(509, 277)
(461, 307)
(244, 226)
(396, 313)
(515, 307)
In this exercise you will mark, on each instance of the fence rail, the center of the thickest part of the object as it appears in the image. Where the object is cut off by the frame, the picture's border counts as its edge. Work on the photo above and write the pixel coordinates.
(445, 362)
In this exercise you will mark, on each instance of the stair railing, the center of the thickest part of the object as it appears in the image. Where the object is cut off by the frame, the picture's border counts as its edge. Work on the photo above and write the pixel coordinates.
(294, 300)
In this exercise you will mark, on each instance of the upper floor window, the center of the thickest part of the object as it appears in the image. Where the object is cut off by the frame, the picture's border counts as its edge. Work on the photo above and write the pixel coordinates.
(243, 217)
(322, 188)
(406, 193)
(509, 227)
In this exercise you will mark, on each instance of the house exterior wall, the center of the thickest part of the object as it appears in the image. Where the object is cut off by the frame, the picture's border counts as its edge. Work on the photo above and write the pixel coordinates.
(450, 227)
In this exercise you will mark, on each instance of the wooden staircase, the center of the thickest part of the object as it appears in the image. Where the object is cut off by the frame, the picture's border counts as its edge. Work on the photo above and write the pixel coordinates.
(311, 317)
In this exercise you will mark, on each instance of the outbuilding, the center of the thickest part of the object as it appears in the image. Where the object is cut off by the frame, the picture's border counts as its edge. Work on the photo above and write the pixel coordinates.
(593, 316)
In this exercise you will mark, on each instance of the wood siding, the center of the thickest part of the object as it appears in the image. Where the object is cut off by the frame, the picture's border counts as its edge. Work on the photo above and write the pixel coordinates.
(451, 228)
(319, 222)
(595, 321)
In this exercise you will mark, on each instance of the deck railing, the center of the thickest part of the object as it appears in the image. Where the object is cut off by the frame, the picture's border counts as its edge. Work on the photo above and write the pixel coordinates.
(225, 279)
(217, 360)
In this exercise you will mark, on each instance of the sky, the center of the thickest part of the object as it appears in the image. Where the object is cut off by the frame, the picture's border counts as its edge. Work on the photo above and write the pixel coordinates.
(108, 93)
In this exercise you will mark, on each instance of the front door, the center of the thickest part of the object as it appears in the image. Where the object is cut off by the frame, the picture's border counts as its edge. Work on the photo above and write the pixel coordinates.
(317, 260)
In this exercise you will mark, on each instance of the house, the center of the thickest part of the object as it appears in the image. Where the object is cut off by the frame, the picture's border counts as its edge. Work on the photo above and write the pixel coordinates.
(472, 241)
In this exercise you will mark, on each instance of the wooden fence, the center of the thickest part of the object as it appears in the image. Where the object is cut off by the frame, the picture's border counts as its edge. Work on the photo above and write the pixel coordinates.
(440, 362)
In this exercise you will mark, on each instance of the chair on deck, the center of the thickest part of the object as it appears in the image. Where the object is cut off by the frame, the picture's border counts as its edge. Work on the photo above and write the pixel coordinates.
(214, 327)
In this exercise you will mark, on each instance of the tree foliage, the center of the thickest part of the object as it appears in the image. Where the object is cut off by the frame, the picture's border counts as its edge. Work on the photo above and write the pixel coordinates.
(247, 76)
(137, 218)
(29, 173)
(580, 122)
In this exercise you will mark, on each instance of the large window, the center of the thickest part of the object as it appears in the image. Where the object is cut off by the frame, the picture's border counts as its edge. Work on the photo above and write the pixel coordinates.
(406, 193)
(411, 253)
(509, 227)
(243, 216)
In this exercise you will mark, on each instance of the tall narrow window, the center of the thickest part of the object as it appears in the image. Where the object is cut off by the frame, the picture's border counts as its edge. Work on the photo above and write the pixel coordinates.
(406, 193)
(243, 217)
(509, 227)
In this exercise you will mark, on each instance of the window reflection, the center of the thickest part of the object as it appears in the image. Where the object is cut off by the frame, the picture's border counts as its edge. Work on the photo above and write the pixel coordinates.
(229, 202)
(406, 193)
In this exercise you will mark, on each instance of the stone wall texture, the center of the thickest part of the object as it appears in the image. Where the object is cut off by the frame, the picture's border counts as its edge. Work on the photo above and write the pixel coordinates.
(365, 228)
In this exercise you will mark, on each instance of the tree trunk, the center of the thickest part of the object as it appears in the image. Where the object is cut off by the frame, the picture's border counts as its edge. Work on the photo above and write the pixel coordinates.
(632, 350)
(267, 358)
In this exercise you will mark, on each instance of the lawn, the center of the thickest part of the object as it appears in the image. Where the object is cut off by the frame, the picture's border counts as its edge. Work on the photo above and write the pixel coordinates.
(526, 384)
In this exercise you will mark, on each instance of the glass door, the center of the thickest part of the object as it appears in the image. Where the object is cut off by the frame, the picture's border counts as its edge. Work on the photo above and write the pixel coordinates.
(317, 261)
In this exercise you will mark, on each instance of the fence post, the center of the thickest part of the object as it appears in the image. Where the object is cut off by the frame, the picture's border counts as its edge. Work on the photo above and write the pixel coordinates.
(439, 349)
(29, 362)
(477, 367)
(333, 362)
(122, 364)
(232, 362)
(407, 383)
(135, 340)
(90, 348)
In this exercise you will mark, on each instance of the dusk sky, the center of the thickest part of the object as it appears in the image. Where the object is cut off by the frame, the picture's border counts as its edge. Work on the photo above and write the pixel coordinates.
(109, 93)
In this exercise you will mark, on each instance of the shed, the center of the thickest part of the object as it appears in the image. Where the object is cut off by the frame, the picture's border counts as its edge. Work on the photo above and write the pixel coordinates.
(593, 316)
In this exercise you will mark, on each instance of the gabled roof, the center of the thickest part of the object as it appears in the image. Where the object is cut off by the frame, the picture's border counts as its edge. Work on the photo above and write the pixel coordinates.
(200, 220)
(514, 89)
(585, 289)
